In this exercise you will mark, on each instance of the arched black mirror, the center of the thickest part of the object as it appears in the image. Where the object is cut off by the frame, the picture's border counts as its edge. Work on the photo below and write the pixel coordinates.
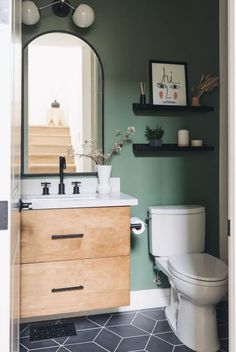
(63, 103)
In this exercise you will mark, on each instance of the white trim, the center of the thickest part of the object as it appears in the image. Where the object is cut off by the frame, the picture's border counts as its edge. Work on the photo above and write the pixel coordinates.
(223, 142)
(143, 299)
(5, 146)
(232, 170)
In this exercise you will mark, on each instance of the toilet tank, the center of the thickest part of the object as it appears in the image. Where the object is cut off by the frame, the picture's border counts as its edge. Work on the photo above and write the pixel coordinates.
(176, 229)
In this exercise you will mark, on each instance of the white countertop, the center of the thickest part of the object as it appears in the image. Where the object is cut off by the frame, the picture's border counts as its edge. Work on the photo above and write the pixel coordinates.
(84, 200)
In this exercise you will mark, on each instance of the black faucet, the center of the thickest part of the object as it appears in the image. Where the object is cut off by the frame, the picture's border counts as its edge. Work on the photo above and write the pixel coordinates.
(62, 166)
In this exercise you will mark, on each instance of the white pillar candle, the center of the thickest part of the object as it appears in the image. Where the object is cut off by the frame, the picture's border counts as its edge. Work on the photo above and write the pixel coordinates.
(183, 138)
(196, 143)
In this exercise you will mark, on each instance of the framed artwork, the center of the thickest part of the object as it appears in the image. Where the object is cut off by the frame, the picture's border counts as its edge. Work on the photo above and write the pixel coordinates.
(168, 83)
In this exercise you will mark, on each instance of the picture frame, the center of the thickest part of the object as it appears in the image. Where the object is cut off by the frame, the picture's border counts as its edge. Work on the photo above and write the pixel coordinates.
(168, 83)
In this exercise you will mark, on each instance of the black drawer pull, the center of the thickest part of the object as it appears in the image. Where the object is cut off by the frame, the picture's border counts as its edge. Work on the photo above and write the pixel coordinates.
(62, 289)
(72, 235)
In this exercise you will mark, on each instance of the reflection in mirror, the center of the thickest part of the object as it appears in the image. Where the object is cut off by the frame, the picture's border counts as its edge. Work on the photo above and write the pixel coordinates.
(62, 102)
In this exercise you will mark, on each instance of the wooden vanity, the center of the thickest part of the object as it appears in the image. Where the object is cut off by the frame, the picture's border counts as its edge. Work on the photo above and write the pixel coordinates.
(74, 260)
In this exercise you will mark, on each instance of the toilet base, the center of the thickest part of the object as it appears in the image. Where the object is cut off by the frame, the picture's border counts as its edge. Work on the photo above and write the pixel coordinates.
(195, 326)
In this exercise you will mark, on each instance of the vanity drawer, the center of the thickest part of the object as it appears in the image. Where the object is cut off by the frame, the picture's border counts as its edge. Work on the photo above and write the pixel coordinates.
(74, 286)
(68, 234)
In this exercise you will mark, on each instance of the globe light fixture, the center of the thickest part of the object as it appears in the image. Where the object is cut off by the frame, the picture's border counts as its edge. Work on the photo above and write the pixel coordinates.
(82, 15)
(30, 13)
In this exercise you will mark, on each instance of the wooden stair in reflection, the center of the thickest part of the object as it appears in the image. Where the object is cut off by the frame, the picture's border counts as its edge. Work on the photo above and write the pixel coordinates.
(46, 144)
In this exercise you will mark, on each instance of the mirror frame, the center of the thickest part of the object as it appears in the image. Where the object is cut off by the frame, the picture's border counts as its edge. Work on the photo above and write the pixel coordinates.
(27, 175)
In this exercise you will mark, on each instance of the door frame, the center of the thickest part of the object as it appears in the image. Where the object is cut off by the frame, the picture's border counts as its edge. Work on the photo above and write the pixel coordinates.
(10, 87)
(232, 170)
(5, 184)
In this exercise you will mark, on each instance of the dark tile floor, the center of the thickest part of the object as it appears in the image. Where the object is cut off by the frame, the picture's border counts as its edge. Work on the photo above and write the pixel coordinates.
(144, 330)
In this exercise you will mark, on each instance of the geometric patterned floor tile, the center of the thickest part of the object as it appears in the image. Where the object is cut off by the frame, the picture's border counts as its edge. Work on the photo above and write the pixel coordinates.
(142, 331)
(132, 344)
(182, 349)
(222, 315)
(85, 347)
(83, 336)
(169, 337)
(162, 326)
(108, 340)
(223, 331)
(126, 330)
(157, 314)
(83, 323)
(224, 344)
(155, 344)
(120, 319)
(37, 344)
(23, 349)
(100, 319)
(143, 322)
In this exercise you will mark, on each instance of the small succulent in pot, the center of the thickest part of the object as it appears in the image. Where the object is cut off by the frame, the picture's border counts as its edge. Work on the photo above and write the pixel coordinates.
(154, 135)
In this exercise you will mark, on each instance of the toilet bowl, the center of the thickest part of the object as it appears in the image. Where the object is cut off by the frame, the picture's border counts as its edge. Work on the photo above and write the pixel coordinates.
(198, 280)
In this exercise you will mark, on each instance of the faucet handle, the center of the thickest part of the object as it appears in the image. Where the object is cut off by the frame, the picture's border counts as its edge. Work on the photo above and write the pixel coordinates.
(46, 186)
(76, 187)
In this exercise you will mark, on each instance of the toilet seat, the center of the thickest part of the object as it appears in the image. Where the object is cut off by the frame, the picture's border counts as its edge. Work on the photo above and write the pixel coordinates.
(198, 268)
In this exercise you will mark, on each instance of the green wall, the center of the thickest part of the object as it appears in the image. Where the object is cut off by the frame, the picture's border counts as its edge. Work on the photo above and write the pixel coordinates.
(126, 35)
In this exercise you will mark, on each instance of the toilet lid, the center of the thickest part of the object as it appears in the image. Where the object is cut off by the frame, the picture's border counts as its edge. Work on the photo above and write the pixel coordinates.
(199, 266)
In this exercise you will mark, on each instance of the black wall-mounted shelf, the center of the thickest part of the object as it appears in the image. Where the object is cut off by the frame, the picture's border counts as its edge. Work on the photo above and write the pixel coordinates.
(150, 108)
(147, 150)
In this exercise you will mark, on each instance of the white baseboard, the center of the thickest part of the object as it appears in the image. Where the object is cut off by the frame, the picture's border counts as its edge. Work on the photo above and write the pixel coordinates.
(147, 299)
(143, 299)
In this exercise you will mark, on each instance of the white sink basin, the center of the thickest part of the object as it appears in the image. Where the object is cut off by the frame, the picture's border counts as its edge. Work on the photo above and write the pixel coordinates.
(69, 197)
(84, 200)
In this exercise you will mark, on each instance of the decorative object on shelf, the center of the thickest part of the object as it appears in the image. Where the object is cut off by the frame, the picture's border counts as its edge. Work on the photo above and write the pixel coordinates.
(102, 159)
(196, 143)
(206, 84)
(195, 101)
(168, 83)
(83, 15)
(104, 175)
(143, 93)
(183, 138)
(154, 135)
(55, 116)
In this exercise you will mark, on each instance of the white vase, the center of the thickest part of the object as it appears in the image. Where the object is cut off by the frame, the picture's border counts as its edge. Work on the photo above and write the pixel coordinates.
(104, 174)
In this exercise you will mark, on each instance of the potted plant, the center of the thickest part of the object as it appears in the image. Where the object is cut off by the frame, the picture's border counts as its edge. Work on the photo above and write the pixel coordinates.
(206, 84)
(103, 160)
(154, 135)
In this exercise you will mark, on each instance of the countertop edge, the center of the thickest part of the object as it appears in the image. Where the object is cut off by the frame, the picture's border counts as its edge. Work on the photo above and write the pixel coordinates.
(110, 200)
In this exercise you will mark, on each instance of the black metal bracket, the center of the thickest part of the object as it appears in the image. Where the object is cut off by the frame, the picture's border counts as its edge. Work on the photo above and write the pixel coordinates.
(3, 215)
(24, 205)
(135, 226)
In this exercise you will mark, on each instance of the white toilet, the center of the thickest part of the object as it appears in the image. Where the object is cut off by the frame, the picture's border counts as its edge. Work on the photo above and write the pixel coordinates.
(198, 280)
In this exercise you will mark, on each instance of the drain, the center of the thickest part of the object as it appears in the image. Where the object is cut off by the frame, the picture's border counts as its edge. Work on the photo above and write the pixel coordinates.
(48, 331)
